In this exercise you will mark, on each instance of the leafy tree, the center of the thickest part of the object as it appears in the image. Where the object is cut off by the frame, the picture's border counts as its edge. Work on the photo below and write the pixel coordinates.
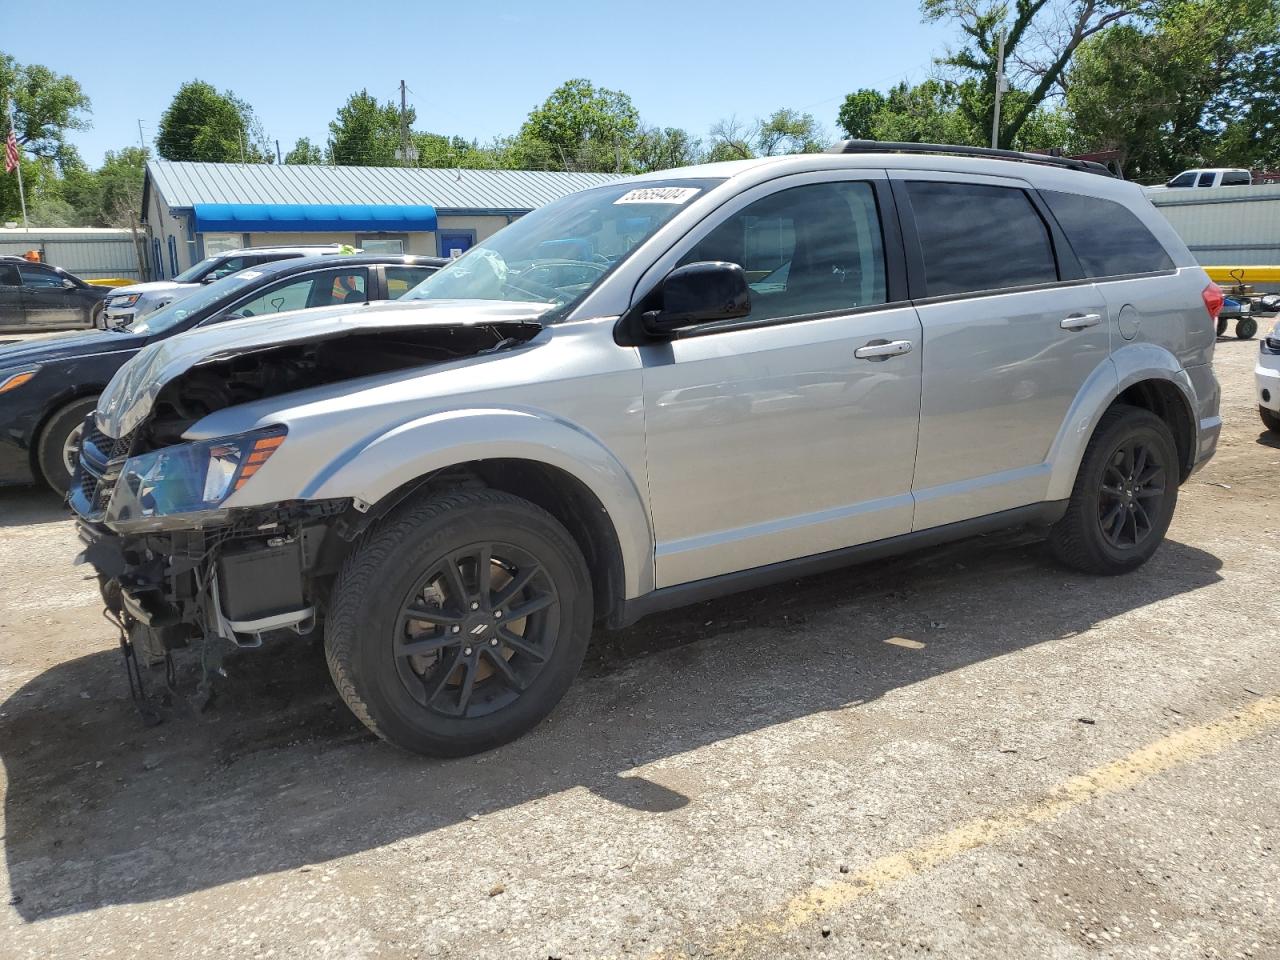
(657, 148)
(366, 133)
(926, 113)
(578, 127)
(1040, 40)
(52, 211)
(305, 152)
(858, 111)
(202, 124)
(784, 131)
(1197, 84)
(46, 106)
(787, 131)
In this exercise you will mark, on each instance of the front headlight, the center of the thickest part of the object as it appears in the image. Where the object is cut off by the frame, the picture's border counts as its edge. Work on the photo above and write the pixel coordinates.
(15, 377)
(126, 301)
(189, 479)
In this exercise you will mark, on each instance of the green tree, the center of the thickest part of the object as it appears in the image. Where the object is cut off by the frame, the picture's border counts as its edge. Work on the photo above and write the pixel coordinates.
(202, 124)
(366, 133)
(858, 111)
(1040, 40)
(47, 106)
(578, 127)
(1196, 84)
(305, 152)
(789, 131)
(663, 148)
(926, 113)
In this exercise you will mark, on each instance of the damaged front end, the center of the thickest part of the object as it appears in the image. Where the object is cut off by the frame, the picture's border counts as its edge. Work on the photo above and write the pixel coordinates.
(186, 557)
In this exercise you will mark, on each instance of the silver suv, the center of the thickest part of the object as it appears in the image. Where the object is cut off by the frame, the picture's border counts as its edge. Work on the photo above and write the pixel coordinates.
(647, 394)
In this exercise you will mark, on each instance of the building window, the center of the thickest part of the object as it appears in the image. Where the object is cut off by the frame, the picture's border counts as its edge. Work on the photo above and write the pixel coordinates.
(383, 243)
(215, 243)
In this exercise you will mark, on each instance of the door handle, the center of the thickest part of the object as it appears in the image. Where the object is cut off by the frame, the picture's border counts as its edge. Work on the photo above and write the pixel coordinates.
(1078, 321)
(883, 349)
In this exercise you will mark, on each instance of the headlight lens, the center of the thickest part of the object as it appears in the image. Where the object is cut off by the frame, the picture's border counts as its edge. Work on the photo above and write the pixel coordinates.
(190, 478)
(14, 378)
(125, 301)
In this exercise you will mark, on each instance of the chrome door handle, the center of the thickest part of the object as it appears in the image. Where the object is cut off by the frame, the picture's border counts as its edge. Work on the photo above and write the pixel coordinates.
(883, 349)
(1078, 321)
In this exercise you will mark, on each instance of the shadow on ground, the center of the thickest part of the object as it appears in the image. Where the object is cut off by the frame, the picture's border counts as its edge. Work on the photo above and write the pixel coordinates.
(25, 506)
(101, 810)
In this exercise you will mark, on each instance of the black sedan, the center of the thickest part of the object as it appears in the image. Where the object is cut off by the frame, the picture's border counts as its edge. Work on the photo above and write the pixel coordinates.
(37, 296)
(49, 386)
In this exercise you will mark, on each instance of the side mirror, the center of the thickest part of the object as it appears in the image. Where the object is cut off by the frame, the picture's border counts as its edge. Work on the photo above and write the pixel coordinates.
(209, 278)
(697, 293)
(68, 284)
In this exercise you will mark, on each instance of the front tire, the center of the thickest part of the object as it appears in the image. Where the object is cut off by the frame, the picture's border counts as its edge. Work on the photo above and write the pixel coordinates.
(458, 622)
(59, 445)
(1270, 419)
(1124, 495)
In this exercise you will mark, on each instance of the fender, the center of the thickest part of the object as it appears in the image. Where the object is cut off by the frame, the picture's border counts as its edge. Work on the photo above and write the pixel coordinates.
(1130, 364)
(382, 463)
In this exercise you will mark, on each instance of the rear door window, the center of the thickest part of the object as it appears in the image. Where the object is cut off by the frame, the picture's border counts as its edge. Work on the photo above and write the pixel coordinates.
(402, 279)
(1206, 179)
(1107, 237)
(1236, 178)
(9, 276)
(975, 237)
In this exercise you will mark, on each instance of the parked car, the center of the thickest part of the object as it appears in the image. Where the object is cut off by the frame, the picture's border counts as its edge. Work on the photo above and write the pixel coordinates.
(1212, 177)
(461, 483)
(1266, 374)
(47, 387)
(126, 304)
(36, 297)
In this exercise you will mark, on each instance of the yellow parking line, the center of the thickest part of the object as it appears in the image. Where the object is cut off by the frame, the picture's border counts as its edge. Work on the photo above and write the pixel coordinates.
(1182, 747)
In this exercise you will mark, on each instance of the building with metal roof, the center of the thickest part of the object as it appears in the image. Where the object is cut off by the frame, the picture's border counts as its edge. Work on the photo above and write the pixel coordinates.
(194, 210)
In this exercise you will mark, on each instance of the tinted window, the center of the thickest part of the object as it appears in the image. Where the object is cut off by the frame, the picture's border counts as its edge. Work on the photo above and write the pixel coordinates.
(325, 289)
(810, 249)
(1206, 179)
(1236, 179)
(39, 277)
(1183, 179)
(9, 276)
(975, 237)
(402, 279)
(1108, 239)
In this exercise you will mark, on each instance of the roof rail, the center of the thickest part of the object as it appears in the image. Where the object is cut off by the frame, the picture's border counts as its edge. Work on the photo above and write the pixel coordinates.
(886, 146)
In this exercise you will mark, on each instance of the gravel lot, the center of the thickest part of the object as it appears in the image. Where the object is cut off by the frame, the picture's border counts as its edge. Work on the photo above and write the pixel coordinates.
(969, 753)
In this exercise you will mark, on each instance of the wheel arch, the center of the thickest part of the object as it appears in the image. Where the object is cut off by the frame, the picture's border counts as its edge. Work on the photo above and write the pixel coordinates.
(548, 462)
(1142, 375)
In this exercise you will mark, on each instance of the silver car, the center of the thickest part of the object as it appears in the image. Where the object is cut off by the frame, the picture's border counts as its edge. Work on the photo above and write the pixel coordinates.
(650, 393)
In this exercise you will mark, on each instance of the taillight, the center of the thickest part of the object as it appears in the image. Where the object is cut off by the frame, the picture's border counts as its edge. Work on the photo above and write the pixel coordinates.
(1213, 301)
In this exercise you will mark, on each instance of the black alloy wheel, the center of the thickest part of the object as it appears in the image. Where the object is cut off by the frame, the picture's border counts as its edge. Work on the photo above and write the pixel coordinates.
(476, 630)
(1133, 478)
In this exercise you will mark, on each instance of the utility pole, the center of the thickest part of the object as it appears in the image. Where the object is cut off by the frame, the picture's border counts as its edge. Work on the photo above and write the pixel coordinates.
(404, 127)
(1001, 87)
(279, 159)
(142, 141)
(241, 132)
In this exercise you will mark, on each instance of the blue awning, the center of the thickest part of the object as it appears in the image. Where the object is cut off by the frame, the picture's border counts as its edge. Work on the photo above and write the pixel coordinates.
(312, 217)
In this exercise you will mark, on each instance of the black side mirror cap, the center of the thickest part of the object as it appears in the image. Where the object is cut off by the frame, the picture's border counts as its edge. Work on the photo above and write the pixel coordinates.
(698, 293)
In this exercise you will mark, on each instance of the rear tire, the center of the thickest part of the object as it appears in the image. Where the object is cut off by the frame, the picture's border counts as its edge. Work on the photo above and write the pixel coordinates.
(95, 316)
(1270, 419)
(1124, 495)
(59, 445)
(459, 561)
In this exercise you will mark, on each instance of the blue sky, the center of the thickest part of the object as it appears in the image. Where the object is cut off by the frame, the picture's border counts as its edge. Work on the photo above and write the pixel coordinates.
(474, 69)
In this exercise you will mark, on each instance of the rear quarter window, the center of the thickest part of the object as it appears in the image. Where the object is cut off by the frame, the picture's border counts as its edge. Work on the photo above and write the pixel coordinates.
(1108, 238)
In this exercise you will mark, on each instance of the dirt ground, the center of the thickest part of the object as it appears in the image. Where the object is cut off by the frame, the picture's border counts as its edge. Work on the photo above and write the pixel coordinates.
(967, 753)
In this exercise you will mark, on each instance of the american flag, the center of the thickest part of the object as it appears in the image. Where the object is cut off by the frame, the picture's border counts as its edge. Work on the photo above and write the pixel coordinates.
(11, 151)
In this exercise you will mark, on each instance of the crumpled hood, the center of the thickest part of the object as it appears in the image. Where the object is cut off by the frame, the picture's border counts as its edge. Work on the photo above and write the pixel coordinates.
(128, 398)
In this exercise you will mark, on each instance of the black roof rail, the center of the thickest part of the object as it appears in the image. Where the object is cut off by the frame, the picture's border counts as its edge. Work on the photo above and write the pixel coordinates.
(888, 146)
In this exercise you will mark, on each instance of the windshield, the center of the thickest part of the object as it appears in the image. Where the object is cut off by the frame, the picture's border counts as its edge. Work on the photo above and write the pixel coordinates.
(192, 274)
(167, 318)
(558, 253)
